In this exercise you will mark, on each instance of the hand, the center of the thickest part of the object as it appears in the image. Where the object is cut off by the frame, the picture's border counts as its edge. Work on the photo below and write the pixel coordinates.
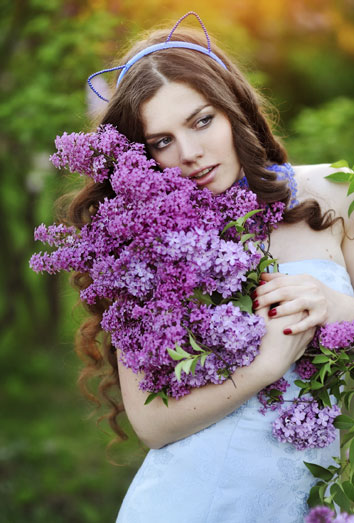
(278, 351)
(294, 294)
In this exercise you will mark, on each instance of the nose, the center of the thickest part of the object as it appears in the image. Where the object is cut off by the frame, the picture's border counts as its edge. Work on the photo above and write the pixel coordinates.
(190, 150)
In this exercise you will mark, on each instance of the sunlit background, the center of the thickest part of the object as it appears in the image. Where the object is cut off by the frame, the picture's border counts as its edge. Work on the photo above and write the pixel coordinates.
(299, 53)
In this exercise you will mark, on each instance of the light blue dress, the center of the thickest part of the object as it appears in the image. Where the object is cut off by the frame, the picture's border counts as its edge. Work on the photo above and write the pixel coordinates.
(233, 471)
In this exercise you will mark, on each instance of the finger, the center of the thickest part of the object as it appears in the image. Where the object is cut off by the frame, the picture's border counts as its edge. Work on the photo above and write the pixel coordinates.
(262, 298)
(263, 312)
(312, 309)
(279, 278)
(301, 326)
(269, 276)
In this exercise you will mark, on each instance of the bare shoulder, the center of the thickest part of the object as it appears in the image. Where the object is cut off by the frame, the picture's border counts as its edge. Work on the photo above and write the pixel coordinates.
(312, 183)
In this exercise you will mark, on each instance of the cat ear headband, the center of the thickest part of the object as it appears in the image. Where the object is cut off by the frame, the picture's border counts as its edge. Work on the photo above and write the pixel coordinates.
(167, 44)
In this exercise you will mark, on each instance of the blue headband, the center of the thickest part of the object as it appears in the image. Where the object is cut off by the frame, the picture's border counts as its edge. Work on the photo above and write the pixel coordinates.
(167, 44)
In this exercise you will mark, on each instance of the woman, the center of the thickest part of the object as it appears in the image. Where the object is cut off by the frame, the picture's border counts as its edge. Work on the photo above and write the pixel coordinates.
(215, 459)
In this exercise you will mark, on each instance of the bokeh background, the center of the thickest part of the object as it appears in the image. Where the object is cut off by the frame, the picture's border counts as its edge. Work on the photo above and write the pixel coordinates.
(298, 53)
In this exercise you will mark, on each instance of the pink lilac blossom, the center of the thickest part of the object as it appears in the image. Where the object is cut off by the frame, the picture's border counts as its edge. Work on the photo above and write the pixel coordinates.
(148, 248)
(305, 425)
(337, 335)
(305, 369)
(264, 395)
(322, 514)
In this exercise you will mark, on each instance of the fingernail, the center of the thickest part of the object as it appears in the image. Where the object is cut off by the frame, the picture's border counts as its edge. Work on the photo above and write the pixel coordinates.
(287, 331)
(255, 304)
(262, 282)
(254, 295)
(272, 312)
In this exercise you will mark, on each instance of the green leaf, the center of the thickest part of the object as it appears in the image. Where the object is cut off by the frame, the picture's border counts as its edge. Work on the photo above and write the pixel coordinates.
(242, 220)
(194, 364)
(187, 365)
(301, 384)
(347, 437)
(348, 396)
(348, 488)
(194, 344)
(314, 498)
(351, 454)
(321, 358)
(175, 355)
(343, 357)
(343, 422)
(228, 226)
(178, 370)
(350, 188)
(203, 358)
(351, 208)
(319, 472)
(150, 397)
(252, 276)
(340, 163)
(246, 237)
(274, 393)
(325, 350)
(324, 396)
(264, 264)
(179, 350)
(340, 497)
(244, 303)
(339, 177)
(315, 385)
(202, 298)
(161, 394)
(323, 371)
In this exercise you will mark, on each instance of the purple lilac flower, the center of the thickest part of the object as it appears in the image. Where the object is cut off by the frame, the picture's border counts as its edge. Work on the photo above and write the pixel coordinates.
(148, 248)
(305, 369)
(264, 396)
(337, 335)
(322, 514)
(305, 425)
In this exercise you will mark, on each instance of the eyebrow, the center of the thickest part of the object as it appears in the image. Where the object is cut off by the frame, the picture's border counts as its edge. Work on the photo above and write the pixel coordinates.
(187, 120)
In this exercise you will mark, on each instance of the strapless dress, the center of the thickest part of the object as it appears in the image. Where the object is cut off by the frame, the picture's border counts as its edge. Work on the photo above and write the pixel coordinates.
(234, 471)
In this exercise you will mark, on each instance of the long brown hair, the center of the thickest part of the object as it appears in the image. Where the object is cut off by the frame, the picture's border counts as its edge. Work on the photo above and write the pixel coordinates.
(227, 90)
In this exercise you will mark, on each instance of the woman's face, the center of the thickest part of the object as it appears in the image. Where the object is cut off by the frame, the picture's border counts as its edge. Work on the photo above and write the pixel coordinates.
(183, 130)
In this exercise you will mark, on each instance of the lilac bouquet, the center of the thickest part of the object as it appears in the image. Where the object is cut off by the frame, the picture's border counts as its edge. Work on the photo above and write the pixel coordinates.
(175, 263)
(311, 419)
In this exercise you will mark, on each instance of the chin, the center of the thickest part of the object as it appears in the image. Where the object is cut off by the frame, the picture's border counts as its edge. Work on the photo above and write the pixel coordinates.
(218, 188)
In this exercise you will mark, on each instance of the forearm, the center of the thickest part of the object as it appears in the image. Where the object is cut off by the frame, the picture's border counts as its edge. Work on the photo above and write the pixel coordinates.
(157, 425)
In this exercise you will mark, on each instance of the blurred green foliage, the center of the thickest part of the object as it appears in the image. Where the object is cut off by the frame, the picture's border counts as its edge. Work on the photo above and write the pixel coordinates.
(53, 465)
(324, 134)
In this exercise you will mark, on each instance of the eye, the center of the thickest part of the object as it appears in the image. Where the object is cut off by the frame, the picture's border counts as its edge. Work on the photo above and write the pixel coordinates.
(205, 121)
(161, 144)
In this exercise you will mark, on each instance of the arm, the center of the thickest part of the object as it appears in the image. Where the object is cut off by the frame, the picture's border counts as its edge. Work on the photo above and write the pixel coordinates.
(157, 425)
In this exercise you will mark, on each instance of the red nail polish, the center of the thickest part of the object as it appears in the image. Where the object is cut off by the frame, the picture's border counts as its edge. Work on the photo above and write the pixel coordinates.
(262, 282)
(272, 312)
(255, 304)
(254, 295)
(287, 331)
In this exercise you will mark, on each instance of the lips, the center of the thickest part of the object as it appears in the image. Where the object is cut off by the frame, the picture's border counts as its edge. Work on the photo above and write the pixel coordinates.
(201, 173)
(204, 176)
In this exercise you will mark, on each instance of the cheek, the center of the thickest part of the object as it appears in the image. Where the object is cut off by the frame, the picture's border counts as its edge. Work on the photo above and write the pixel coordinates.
(225, 142)
(164, 159)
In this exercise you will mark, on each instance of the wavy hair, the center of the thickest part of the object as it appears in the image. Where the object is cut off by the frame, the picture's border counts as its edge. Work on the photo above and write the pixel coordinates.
(256, 145)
